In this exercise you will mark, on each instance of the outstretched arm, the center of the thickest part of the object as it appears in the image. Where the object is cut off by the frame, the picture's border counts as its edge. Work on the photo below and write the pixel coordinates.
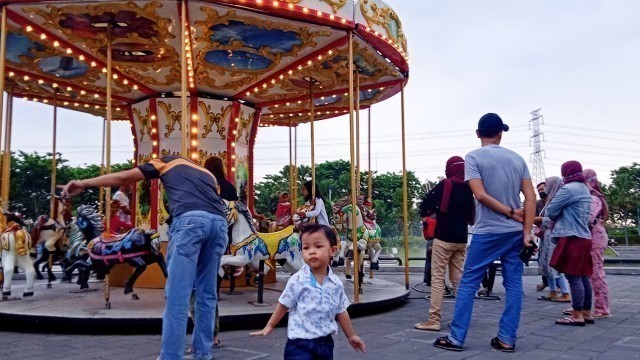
(354, 340)
(277, 315)
(75, 187)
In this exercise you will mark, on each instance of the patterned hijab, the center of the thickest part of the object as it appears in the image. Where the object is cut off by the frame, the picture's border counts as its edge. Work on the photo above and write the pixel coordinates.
(594, 188)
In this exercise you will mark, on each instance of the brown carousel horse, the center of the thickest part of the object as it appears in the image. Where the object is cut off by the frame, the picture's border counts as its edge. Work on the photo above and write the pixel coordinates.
(52, 232)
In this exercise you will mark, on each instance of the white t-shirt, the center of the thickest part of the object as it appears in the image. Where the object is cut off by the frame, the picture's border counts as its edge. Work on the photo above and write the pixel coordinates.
(319, 212)
(124, 202)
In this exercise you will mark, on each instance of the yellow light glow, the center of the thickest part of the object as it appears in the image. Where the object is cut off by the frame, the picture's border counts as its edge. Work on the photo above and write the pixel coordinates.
(43, 36)
(69, 51)
(155, 143)
(29, 29)
(194, 142)
(194, 130)
(233, 144)
(305, 10)
(153, 117)
(81, 57)
(194, 117)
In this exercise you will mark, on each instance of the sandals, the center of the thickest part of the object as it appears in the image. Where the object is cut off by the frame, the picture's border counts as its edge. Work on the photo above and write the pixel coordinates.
(570, 322)
(445, 343)
(496, 344)
(549, 298)
(540, 287)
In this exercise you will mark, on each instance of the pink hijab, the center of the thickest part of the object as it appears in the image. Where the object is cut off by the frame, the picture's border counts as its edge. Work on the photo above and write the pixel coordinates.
(594, 188)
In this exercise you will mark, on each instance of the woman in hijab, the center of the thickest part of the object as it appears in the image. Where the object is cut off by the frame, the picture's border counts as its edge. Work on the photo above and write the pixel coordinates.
(599, 214)
(452, 202)
(554, 278)
(569, 209)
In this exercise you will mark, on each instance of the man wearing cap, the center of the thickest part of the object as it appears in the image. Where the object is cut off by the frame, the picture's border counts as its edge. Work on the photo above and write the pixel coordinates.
(496, 176)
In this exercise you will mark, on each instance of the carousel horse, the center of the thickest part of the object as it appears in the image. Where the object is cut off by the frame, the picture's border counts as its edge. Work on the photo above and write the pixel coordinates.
(15, 245)
(249, 247)
(368, 234)
(138, 248)
(52, 233)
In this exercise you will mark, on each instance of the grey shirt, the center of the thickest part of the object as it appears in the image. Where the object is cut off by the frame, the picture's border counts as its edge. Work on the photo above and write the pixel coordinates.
(501, 171)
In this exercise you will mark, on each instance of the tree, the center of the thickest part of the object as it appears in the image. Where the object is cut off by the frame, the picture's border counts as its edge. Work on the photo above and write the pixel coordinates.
(334, 181)
(623, 195)
(30, 189)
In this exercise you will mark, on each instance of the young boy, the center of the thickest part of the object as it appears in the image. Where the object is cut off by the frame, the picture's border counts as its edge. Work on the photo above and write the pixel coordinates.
(315, 298)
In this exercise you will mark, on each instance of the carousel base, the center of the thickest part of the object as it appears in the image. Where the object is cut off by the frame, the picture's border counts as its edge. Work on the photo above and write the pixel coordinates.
(62, 309)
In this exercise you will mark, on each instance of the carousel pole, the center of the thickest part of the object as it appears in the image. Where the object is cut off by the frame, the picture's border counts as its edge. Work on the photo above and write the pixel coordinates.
(183, 82)
(405, 200)
(101, 189)
(6, 164)
(291, 170)
(54, 164)
(357, 79)
(107, 209)
(354, 238)
(313, 159)
(295, 167)
(369, 179)
(3, 52)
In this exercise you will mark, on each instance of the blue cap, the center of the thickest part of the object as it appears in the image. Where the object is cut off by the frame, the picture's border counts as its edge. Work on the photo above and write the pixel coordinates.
(492, 123)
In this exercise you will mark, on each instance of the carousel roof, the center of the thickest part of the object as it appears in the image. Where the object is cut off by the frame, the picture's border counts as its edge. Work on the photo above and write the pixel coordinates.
(265, 53)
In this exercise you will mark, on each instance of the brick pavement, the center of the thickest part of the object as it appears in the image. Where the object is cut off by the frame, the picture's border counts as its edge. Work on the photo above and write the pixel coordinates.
(390, 335)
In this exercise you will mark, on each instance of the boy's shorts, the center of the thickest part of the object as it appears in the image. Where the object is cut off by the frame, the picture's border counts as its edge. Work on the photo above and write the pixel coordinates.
(309, 349)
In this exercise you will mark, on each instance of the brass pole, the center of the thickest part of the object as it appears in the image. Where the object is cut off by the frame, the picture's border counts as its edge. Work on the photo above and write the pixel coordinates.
(405, 200)
(6, 165)
(3, 52)
(291, 196)
(54, 164)
(357, 76)
(183, 83)
(369, 180)
(101, 189)
(295, 166)
(356, 263)
(313, 159)
(108, 142)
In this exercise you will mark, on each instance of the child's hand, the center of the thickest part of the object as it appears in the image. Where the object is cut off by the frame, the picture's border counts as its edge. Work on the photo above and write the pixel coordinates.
(357, 343)
(264, 332)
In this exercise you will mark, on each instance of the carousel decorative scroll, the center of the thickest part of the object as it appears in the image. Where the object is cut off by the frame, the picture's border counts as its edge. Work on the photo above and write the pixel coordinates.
(381, 16)
(243, 129)
(203, 155)
(145, 123)
(173, 118)
(212, 118)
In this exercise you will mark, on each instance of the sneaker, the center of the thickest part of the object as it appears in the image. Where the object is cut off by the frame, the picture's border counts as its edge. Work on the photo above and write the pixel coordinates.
(427, 325)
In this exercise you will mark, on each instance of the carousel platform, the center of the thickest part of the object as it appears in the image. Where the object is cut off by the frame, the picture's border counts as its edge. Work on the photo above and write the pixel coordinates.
(59, 309)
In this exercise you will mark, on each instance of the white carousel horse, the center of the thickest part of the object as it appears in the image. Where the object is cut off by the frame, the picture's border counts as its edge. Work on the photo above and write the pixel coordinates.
(249, 247)
(16, 244)
(368, 234)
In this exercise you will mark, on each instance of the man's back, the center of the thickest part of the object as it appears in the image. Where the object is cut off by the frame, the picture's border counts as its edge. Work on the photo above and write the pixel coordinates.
(501, 171)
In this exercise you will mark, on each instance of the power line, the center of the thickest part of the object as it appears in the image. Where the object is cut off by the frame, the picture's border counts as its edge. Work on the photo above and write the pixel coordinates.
(593, 137)
(599, 131)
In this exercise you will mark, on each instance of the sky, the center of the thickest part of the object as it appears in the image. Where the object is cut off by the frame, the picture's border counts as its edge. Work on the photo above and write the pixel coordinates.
(576, 60)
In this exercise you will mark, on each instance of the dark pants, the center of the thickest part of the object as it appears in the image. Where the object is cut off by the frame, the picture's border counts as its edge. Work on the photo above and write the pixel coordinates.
(427, 264)
(309, 349)
(490, 277)
(581, 292)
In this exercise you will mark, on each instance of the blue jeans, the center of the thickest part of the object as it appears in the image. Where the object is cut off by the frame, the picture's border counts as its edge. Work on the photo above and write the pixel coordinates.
(558, 282)
(309, 349)
(197, 240)
(484, 249)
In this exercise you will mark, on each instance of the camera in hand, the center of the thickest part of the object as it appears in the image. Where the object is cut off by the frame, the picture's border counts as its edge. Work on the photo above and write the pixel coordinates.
(527, 252)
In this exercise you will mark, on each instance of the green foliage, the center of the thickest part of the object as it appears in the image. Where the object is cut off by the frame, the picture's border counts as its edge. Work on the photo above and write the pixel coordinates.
(334, 181)
(30, 190)
(623, 195)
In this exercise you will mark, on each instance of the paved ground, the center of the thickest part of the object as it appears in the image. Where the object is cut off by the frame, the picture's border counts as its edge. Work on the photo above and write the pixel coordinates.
(390, 335)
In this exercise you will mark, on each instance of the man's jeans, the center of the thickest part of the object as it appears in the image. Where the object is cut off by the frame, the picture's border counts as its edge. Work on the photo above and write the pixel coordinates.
(197, 240)
(484, 249)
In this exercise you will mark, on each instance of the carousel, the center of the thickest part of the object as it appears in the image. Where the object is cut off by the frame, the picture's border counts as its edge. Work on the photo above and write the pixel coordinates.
(197, 78)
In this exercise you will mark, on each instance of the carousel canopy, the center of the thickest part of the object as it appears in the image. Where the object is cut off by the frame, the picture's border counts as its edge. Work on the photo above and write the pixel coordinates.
(267, 54)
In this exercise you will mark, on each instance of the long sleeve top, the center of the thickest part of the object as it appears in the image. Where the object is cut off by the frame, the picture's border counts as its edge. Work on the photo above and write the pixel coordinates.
(452, 225)
(570, 209)
(319, 212)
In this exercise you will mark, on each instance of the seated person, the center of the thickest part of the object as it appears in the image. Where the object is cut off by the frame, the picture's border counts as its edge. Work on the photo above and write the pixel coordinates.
(116, 225)
(283, 213)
